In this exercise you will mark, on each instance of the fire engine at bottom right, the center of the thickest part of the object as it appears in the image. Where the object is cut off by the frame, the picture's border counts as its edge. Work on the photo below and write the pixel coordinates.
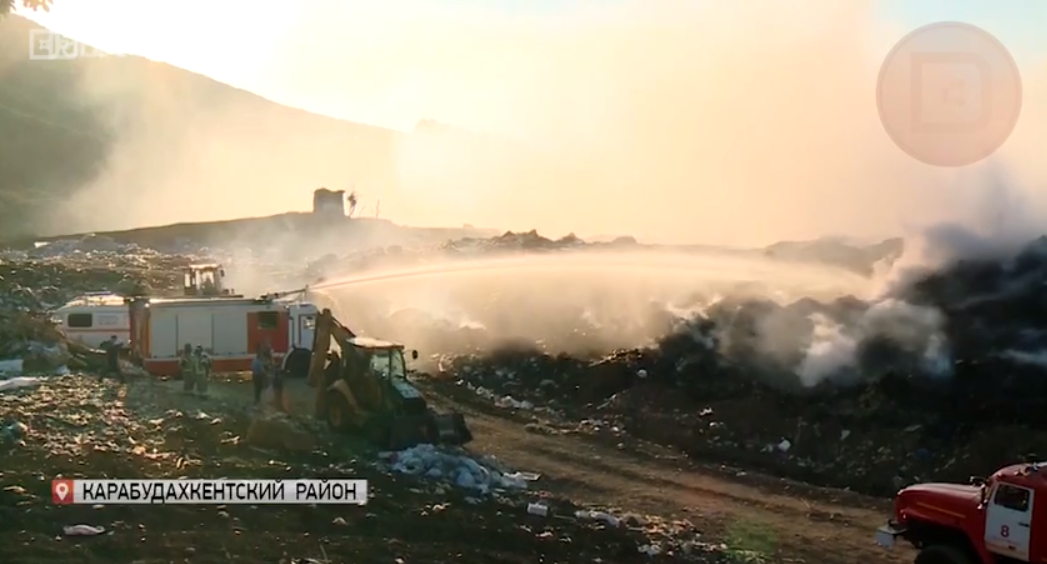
(988, 521)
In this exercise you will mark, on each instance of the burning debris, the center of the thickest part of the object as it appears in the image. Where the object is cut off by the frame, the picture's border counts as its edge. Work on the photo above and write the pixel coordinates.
(914, 386)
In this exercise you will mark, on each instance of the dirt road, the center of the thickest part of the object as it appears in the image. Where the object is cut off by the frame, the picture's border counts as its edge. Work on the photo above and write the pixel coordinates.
(796, 523)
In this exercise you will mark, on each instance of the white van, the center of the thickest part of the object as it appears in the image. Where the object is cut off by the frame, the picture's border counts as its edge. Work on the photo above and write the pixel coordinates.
(93, 318)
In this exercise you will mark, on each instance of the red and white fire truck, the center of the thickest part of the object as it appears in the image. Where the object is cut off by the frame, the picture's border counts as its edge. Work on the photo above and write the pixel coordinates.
(230, 327)
(1001, 519)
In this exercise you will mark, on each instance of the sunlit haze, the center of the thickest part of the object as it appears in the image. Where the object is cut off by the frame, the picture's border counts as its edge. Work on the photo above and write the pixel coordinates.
(734, 123)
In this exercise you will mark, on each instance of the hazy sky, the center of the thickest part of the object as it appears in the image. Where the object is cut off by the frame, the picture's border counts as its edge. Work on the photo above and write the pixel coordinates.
(382, 75)
(734, 122)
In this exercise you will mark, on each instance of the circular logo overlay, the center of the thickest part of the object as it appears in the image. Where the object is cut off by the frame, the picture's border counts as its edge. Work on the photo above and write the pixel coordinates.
(949, 94)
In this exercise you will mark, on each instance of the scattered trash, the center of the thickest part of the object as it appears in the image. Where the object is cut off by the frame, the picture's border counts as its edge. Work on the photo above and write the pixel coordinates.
(13, 431)
(650, 550)
(539, 509)
(10, 367)
(707, 385)
(451, 466)
(19, 383)
(83, 531)
(857, 396)
(601, 516)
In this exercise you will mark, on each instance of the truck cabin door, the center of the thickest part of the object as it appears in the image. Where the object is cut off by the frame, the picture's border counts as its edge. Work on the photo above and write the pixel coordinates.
(306, 330)
(1008, 521)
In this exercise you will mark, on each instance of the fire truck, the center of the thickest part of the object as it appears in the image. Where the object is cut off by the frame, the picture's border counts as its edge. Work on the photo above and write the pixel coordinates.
(988, 521)
(232, 330)
(229, 326)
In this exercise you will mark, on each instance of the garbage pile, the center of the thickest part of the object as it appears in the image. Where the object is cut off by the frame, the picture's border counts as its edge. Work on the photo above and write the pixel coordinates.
(513, 242)
(29, 343)
(75, 426)
(57, 271)
(944, 379)
(483, 476)
(34, 282)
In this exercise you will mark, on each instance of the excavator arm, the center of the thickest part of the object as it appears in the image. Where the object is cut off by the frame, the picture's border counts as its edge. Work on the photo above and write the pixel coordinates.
(327, 328)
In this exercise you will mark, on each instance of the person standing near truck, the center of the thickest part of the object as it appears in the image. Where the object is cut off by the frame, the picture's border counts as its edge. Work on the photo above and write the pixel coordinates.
(203, 375)
(112, 349)
(259, 374)
(183, 362)
(191, 370)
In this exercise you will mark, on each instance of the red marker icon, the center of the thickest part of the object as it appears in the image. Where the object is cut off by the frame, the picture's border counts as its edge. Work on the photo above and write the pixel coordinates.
(62, 491)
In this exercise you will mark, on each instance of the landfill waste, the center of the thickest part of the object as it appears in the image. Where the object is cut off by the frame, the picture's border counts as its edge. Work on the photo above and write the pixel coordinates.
(13, 432)
(75, 425)
(34, 282)
(539, 509)
(909, 401)
(452, 465)
(602, 516)
(944, 379)
(83, 531)
(19, 383)
(280, 432)
(67, 422)
(11, 367)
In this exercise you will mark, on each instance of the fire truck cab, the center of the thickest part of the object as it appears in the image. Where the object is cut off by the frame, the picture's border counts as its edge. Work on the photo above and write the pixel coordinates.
(999, 519)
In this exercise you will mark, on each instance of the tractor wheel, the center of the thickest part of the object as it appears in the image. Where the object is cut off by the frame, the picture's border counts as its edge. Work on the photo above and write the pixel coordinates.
(942, 554)
(338, 412)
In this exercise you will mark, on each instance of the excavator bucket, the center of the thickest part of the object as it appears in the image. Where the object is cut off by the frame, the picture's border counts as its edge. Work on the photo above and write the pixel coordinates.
(432, 428)
(450, 429)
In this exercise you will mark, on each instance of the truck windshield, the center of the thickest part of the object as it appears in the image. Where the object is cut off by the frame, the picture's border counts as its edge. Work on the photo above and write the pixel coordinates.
(389, 364)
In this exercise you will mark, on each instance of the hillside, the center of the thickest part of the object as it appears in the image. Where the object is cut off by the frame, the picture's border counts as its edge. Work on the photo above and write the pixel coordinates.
(190, 152)
(56, 140)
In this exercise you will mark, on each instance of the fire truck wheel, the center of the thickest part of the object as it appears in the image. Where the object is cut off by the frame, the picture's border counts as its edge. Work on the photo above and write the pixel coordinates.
(942, 554)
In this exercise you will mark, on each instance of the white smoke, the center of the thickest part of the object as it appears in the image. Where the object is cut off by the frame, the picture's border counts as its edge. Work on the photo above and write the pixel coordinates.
(831, 352)
(834, 348)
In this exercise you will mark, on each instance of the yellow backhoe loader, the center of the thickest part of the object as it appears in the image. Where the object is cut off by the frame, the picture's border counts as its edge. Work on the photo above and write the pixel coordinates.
(362, 387)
